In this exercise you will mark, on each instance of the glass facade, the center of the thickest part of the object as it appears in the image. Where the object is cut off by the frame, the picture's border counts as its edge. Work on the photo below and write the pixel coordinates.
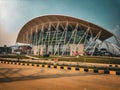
(57, 40)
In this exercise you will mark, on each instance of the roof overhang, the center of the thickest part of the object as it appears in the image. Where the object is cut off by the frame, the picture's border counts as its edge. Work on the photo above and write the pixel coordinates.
(59, 18)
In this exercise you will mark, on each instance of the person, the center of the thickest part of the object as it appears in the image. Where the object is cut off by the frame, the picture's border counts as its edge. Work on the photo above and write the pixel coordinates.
(18, 59)
(18, 56)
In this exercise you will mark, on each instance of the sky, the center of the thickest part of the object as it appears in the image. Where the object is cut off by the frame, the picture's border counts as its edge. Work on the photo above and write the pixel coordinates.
(15, 13)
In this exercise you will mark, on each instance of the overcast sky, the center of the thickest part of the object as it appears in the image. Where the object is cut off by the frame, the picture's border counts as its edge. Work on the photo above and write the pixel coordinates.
(15, 13)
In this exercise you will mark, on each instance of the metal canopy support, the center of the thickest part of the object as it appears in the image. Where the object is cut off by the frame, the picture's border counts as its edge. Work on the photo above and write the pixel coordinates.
(65, 29)
(45, 37)
(94, 39)
(113, 49)
(91, 34)
(74, 46)
(66, 32)
(42, 42)
(42, 34)
(96, 42)
(59, 42)
(82, 37)
(118, 40)
(49, 28)
(31, 37)
(107, 45)
(26, 37)
(36, 36)
(69, 39)
(39, 40)
(55, 35)
(86, 36)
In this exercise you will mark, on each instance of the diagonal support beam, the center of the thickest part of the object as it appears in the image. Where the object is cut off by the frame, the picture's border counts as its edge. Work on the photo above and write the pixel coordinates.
(69, 40)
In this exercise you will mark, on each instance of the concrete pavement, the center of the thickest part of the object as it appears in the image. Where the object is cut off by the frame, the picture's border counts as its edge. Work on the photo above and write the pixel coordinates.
(15, 77)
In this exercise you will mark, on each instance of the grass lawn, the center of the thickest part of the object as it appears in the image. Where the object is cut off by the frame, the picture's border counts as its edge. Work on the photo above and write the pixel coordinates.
(89, 59)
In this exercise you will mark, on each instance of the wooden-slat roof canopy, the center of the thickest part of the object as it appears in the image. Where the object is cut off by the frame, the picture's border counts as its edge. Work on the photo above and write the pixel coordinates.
(60, 18)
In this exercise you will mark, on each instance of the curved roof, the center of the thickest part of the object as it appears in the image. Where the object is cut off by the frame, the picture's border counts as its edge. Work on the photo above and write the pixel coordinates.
(59, 18)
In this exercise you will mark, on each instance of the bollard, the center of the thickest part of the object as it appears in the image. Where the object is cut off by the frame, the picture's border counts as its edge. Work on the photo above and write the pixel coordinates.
(73, 68)
(61, 67)
(51, 66)
(106, 71)
(30, 64)
(85, 69)
(110, 65)
(101, 71)
(23, 64)
(95, 70)
(118, 66)
(77, 68)
(7, 62)
(117, 72)
(37, 65)
(46, 66)
(55, 66)
(11, 62)
(90, 70)
(33, 64)
(17, 63)
(26, 64)
(68, 68)
(113, 65)
(58, 67)
(65, 67)
(112, 72)
(81, 69)
(40, 65)
(43, 65)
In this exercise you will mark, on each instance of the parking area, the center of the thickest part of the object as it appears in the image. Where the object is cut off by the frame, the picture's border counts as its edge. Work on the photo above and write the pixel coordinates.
(16, 77)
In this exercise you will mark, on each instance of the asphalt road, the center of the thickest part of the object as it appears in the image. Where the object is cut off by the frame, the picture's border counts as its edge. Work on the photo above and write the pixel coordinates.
(16, 77)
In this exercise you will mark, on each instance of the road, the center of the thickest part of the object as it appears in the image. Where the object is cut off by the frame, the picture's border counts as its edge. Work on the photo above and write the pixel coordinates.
(16, 77)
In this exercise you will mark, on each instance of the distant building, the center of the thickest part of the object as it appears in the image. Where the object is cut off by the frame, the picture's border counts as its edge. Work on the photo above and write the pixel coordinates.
(5, 50)
(22, 48)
